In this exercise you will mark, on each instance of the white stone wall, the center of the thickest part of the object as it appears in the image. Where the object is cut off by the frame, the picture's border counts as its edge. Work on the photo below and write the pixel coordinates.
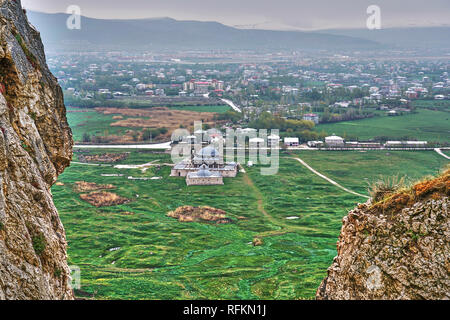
(204, 181)
(184, 172)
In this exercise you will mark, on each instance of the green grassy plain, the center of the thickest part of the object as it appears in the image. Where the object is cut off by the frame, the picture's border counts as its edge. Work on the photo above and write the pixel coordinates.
(428, 125)
(161, 258)
(355, 170)
(93, 123)
(442, 105)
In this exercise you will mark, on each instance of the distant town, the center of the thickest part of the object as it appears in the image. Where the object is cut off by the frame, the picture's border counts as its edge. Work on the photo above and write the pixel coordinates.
(305, 95)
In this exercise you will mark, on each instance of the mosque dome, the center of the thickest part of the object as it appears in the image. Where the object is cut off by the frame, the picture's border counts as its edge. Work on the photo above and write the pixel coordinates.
(204, 172)
(208, 152)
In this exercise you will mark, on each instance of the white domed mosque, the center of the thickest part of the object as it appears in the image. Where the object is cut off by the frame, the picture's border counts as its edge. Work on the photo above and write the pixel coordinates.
(205, 167)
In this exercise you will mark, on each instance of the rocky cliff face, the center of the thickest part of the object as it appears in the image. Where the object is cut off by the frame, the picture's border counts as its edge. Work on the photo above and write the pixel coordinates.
(396, 247)
(35, 147)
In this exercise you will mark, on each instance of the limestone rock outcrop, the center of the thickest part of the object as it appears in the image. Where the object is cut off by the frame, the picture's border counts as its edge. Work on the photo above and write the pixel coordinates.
(396, 248)
(35, 147)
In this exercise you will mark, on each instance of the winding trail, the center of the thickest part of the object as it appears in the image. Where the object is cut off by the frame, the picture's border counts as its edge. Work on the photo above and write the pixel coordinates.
(328, 179)
(284, 227)
(439, 151)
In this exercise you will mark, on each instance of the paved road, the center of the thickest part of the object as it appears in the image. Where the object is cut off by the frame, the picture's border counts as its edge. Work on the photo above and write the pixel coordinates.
(157, 146)
(232, 105)
(329, 180)
(439, 151)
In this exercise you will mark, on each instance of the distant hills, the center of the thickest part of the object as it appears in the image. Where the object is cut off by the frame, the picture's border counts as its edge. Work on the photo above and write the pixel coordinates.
(166, 33)
(413, 37)
(170, 34)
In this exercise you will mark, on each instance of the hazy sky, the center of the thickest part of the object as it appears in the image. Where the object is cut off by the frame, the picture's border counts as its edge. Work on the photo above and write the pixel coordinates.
(279, 14)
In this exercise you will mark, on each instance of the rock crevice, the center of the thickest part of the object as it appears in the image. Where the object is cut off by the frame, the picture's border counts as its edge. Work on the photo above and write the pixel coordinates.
(35, 147)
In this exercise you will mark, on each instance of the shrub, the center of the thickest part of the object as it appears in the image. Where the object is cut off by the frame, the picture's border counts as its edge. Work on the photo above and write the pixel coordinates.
(385, 187)
(26, 147)
(86, 137)
(149, 134)
(57, 273)
(33, 115)
(39, 244)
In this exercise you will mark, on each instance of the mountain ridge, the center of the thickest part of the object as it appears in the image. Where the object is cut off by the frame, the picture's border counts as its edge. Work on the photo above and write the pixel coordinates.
(168, 33)
(402, 37)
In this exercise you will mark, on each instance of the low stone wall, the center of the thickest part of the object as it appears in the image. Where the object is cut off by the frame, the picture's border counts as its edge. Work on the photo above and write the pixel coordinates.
(209, 181)
(179, 173)
(229, 174)
(184, 172)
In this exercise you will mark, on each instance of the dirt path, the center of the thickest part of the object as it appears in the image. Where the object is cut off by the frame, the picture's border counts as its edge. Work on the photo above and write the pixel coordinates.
(259, 196)
(328, 179)
(92, 164)
(439, 151)
(142, 167)
(285, 228)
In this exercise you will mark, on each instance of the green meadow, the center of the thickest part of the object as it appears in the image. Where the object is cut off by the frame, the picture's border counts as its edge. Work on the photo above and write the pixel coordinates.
(92, 123)
(443, 105)
(355, 170)
(134, 251)
(428, 125)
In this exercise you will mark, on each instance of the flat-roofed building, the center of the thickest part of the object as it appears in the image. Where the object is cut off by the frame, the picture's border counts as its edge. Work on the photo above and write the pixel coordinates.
(334, 141)
(311, 117)
(291, 142)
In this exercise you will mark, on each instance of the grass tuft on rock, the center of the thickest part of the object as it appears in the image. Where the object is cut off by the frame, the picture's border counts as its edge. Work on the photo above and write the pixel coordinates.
(392, 195)
(39, 244)
(30, 57)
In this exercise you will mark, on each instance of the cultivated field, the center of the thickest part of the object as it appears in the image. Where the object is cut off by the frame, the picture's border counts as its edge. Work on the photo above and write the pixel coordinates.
(135, 251)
